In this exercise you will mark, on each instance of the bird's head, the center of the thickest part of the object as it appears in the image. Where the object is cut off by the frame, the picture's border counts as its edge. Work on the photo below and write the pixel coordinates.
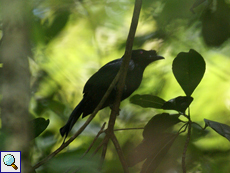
(144, 58)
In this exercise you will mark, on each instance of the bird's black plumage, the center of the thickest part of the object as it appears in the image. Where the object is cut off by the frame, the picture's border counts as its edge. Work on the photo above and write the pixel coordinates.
(98, 84)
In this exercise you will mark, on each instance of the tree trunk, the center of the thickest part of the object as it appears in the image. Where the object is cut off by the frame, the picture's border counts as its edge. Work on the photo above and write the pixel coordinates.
(15, 78)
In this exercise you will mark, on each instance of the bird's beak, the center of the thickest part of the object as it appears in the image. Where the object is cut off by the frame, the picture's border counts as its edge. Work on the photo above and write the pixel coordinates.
(153, 55)
(156, 57)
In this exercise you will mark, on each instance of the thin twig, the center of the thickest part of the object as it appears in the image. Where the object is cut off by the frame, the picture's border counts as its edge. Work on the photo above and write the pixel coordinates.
(132, 128)
(137, 128)
(104, 150)
(99, 146)
(104, 143)
(95, 139)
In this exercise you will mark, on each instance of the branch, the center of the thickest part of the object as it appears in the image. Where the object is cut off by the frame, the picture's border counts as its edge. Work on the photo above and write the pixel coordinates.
(65, 144)
(134, 128)
(125, 63)
(104, 144)
(121, 82)
(116, 105)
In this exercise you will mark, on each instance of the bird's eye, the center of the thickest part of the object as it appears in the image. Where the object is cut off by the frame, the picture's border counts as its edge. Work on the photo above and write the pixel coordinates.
(141, 52)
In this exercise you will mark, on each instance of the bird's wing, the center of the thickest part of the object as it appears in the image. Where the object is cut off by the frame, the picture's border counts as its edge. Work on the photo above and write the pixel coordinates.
(103, 77)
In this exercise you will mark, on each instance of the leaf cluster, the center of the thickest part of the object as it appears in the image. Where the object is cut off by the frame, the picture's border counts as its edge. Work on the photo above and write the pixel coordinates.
(158, 135)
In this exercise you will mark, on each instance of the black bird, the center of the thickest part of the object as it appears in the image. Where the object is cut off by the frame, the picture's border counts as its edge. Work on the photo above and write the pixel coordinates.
(98, 84)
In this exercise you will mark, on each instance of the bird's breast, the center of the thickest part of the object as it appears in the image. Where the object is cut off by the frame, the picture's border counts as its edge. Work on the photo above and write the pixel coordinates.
(133, 81)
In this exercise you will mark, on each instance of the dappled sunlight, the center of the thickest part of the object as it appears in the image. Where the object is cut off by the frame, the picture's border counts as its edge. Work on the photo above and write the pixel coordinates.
(72, 40)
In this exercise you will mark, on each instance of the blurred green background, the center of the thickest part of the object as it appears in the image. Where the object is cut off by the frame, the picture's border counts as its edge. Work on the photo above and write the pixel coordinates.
(72, 39)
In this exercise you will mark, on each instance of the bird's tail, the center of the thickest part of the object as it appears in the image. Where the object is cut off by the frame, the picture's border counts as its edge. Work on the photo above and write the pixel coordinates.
(72, 120)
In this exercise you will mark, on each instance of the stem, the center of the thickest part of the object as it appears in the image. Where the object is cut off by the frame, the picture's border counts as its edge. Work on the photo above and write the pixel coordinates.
(186, 142)
(179, 131)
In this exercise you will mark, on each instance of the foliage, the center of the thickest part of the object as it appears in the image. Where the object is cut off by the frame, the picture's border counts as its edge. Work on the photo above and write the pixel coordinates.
(71, 39)
(188, 69)
(39, 124)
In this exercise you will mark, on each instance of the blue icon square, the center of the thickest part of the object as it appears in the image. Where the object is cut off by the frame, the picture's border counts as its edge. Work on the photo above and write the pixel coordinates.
(10, 161)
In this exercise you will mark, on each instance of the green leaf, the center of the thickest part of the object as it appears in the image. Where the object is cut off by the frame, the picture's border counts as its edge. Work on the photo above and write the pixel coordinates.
(188, 69)
(147, 101)
(39, 125)
(159, 123)
(156, 141)
(47, 103)
(158, 152)
(179, 104)
(59, 22)
(222, 129)
(153, 150)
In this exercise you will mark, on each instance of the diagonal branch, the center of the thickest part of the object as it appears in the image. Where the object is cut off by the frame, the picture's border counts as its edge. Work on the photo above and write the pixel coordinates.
(121, 82)
(65, 144)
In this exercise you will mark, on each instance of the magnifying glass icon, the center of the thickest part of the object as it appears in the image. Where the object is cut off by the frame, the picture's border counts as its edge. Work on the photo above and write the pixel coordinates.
(9, 160)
